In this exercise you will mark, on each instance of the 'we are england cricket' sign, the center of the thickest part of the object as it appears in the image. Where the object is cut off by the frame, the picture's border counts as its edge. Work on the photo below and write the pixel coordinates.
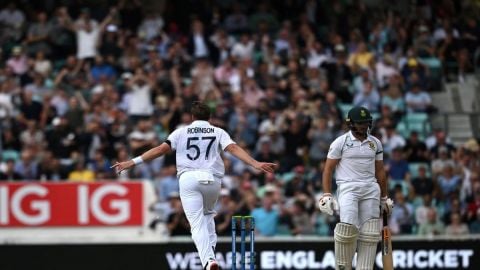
(270, 254)
(320, 255)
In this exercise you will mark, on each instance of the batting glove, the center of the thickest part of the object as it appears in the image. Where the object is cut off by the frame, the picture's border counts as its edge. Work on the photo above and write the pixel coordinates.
(386, 205)
(327, 204)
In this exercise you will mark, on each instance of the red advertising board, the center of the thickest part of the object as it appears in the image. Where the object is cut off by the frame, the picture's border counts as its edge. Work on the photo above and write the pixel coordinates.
(71, 204)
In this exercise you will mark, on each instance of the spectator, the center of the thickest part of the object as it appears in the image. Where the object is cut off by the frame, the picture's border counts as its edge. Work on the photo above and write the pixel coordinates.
(361, 58)
(166, 183)
(368, 98)
(8, 90)
(32, 138)
(456, 227)
(415, 149)
(474, 206)
(421, 213)
(177, 223)
(61, 38)
(393, 99)
(226, 210)
(448, 181)
(266, 216)
(88, 34)
(14, 20)
(385, 70)
(100, 70)
(42, 65)
(18, 62)
(295, 143)
(402, 215)
(143, 137)
(442, 161)
(203, 82)
(418, 100)
(139, 99)
(50, 169)
(9, 173)
(75, 112)
(151, 26)
(11, 141)
(397, 167)
(62, 140)
(391, 139)
(422, 184)
(440, 142)
(297, 184)
(243, 124)
(81, 173)
(475, 224)
(317, 55)
(101, 165)
(27, 166)
(301, 223)
(252, 94)
(236, 21)
(339, 74)
(261, 18)
(199, 46)
(454, 206)
(320, 136)
(243, 49)
(38, 34)
(433, 226)
(264, 151)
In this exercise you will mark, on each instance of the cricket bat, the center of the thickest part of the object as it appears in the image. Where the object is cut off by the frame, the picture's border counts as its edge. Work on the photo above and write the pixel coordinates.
(387, 258)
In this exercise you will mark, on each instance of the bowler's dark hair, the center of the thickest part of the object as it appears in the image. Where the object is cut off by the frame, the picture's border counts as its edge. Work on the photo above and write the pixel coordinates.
(200, 111)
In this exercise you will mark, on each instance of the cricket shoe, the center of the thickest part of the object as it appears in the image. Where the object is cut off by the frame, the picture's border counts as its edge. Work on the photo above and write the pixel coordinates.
(212, 265)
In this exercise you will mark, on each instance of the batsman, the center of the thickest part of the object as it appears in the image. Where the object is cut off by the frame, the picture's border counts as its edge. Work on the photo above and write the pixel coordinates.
(357, 158)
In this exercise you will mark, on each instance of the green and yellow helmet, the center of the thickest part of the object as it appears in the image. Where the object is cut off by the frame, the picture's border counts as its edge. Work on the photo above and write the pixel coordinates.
(359, 115)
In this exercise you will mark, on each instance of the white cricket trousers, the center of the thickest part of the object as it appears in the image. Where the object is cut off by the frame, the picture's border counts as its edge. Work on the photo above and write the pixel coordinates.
(358, 202)
(199, 192)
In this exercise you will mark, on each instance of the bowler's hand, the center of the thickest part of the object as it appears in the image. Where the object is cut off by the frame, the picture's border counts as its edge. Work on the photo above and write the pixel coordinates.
(121, 166)
(265, 166)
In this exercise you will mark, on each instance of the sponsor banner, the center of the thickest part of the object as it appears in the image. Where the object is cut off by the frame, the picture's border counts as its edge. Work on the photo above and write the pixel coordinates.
(320, 255)
(71, 204)
(295, 254)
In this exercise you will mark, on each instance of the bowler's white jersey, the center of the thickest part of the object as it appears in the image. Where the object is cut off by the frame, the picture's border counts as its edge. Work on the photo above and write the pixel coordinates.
(357, 159)
(198, 147)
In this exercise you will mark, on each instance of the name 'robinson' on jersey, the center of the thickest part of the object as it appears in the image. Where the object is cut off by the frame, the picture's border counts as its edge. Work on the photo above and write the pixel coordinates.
(198, 147)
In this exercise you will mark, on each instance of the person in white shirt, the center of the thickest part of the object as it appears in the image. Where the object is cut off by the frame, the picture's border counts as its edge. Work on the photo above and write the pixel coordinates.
(200, 170)
(417, 100)
(357, 158)
(139, 102)
(89, 32)
(243, 49)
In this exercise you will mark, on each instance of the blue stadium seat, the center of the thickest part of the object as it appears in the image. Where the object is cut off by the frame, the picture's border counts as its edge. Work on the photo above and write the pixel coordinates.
(416, 117)
(403, 184)
(345, 107)
(10, 154)
(376, 116)
(418, 122)
(402, 129)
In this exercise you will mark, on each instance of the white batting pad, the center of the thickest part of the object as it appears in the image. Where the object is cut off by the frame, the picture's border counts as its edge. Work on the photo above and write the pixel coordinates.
(345, 236)
(367, 244)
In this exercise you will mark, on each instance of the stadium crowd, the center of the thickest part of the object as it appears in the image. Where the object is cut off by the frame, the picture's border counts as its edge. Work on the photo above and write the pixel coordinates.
(83, 85)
